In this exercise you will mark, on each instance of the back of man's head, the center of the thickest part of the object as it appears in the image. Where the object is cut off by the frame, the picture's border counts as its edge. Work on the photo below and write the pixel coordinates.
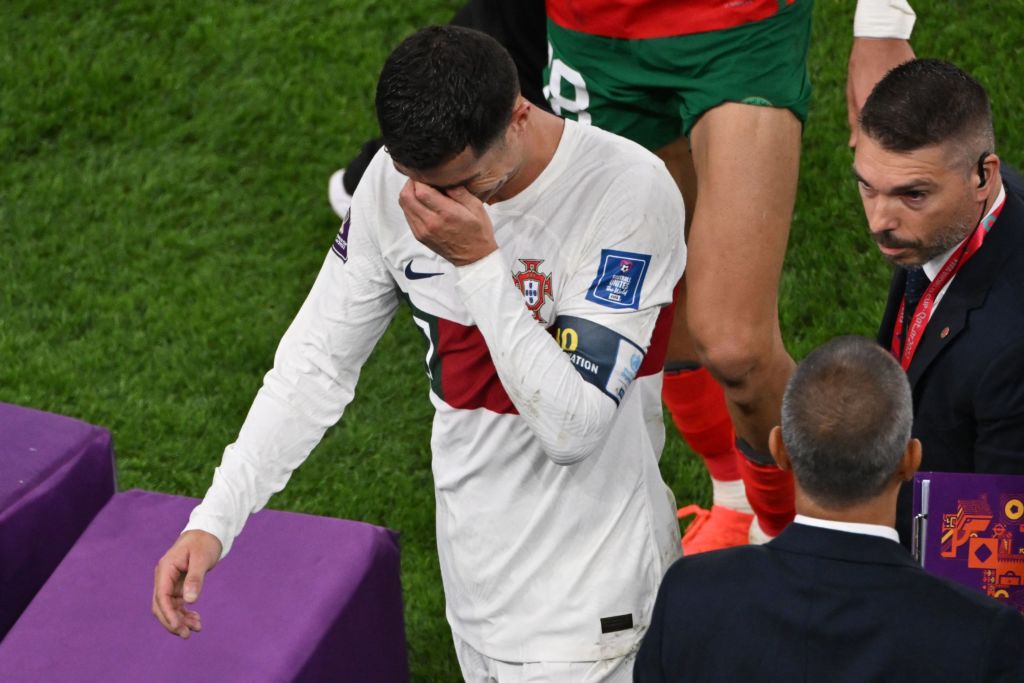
(846, 418)
(443, 89)
(927, 102)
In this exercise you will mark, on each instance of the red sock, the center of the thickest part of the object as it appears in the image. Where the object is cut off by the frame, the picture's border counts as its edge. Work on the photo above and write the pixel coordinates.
(770, 492)
(697, 404)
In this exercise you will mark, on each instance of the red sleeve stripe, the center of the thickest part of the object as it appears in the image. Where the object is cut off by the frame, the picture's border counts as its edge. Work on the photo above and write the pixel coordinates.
(654, 361)
(469, 379)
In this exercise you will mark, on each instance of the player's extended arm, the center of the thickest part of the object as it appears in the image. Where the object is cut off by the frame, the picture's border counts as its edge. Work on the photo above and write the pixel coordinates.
(881, 30)
(313, 379)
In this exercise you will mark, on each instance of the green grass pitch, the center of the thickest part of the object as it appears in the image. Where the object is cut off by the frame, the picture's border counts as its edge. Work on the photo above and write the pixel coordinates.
(163, 212)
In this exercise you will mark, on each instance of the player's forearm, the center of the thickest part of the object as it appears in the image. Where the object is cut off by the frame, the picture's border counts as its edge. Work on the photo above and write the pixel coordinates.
(570, 416)
(274, 440)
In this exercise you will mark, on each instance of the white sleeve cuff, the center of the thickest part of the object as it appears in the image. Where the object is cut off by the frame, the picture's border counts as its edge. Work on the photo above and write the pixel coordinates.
(883, 19)
(199, 520)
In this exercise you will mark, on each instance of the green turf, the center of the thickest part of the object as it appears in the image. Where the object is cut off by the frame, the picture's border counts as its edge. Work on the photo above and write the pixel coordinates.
(163, 212)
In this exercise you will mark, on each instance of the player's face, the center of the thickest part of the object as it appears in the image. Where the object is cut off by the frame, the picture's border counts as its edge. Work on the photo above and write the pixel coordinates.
(483, 175)
(918, 204)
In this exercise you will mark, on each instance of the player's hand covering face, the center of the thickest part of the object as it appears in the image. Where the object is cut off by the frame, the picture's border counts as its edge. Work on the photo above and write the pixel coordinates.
(453, 224)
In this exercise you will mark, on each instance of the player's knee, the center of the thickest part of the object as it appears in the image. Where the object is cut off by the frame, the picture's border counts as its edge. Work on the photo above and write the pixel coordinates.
(733, 355)
(731, 364)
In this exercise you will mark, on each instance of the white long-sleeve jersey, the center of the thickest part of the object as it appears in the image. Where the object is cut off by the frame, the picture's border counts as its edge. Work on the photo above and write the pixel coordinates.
(554, 526)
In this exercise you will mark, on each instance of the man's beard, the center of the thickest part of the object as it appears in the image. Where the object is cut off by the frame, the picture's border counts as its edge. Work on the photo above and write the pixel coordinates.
(923, 252)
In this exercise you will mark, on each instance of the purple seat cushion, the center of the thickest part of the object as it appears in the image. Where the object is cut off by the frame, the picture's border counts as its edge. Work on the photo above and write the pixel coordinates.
(300, 598)
(55, 475)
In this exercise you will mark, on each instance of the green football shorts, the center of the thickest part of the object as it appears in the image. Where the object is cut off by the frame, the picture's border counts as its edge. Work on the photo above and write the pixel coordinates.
(653, 90)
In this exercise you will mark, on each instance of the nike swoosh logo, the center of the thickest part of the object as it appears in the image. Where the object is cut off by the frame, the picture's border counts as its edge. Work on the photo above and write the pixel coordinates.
(413, 275)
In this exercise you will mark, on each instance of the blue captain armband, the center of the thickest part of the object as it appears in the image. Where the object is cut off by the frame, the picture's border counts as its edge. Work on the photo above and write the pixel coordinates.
(603, 357)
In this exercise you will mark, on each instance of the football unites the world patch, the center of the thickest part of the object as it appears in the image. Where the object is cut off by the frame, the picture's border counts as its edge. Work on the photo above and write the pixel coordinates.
(340, 246)
(620, 277)
(535, 286)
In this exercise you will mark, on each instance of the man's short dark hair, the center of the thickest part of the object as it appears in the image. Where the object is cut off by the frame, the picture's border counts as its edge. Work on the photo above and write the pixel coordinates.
(929, 102)
(443, 89)
(846, 419)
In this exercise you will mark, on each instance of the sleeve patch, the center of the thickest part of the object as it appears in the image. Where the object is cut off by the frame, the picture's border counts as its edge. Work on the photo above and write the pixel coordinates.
(620, 277)
(340, 246)
(604, 358)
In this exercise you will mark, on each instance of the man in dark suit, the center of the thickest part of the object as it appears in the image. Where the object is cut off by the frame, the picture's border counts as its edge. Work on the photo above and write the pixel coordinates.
(935, 198)
(834, 597)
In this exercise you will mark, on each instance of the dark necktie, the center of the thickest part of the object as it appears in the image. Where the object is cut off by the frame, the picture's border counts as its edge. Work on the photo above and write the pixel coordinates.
(917, 283)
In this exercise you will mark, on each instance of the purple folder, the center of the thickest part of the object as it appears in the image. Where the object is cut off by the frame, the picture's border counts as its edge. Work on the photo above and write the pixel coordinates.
(55, 475)
(299, 598)
(970, 528)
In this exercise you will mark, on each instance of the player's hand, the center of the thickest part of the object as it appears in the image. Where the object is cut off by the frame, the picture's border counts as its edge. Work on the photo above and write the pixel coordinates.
(870, 59)
(454, 224)
(178, 580)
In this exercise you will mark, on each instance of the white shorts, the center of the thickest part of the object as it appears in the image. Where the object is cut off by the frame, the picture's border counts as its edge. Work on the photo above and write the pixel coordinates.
(478, 668)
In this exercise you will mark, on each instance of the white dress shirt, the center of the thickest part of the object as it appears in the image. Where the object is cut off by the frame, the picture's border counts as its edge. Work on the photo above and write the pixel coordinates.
(850, 527)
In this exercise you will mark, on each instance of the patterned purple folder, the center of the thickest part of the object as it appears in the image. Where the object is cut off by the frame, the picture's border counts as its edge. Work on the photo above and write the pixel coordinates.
(970, 528)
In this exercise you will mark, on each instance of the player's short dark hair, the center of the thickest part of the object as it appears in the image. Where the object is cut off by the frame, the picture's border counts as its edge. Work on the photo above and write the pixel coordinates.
(443, 89)
(846, 419)
(929, 102)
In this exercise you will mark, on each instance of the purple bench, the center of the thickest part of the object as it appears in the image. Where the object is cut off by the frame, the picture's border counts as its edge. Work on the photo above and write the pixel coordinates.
(299, 598)
(55, 475)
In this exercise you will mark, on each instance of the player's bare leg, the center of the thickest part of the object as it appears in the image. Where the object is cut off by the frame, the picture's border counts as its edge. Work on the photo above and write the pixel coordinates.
(698, 408)
(747, 160)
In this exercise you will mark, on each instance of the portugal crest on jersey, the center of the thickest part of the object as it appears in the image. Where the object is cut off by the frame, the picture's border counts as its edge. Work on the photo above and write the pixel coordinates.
(535, 286)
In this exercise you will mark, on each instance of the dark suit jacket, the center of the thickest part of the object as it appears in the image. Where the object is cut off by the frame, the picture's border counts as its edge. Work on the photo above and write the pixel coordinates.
(826, 606)
(968, 373)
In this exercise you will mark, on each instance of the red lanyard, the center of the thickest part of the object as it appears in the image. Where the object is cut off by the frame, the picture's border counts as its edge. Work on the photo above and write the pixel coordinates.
(923, 312)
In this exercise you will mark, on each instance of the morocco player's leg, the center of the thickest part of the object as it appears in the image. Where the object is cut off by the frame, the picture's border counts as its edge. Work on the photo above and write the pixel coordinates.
(740, 94)
(747, 159)
(737, 239)
(697, 405)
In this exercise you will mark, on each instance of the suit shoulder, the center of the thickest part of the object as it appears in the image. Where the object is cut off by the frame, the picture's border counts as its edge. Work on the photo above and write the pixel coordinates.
(717, 564)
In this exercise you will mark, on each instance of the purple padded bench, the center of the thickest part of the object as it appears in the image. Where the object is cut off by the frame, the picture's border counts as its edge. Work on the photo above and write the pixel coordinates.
(299, 598)
(55, 475)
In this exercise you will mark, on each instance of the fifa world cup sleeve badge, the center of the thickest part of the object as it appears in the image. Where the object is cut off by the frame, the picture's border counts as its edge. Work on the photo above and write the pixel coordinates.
(620, 279)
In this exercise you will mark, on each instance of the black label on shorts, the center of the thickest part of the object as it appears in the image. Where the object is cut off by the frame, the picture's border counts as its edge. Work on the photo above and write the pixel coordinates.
(621, 622)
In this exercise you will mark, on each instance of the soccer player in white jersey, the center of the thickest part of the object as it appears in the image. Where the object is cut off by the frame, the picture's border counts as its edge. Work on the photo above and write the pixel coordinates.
(538, 257)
